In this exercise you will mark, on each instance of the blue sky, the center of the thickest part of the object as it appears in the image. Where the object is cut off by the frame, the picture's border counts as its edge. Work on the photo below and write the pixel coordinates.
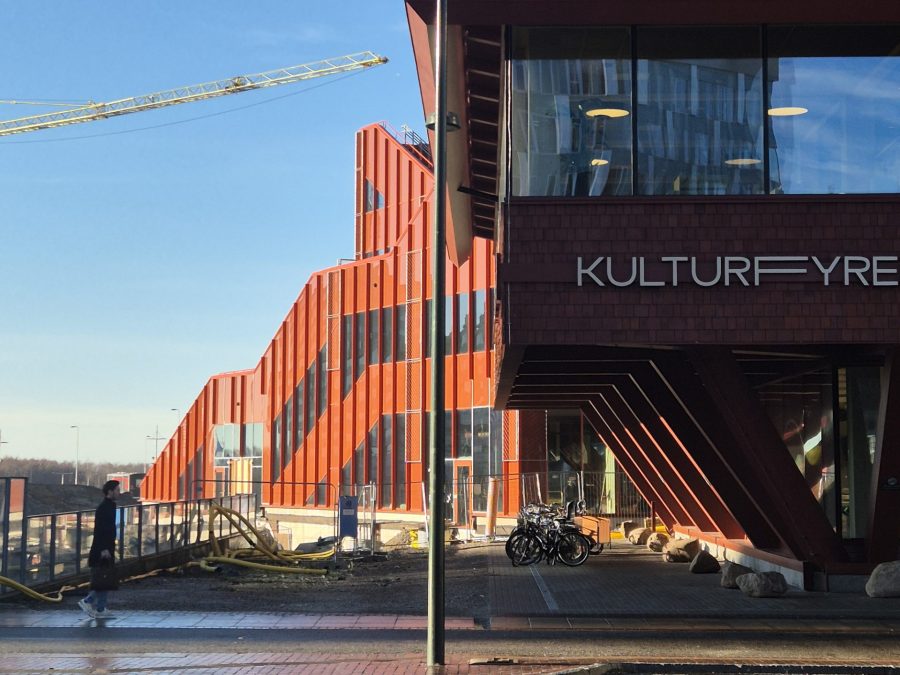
(135, 265)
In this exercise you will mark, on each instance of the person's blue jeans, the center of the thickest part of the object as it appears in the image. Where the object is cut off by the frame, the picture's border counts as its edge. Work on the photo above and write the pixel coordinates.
(97, 599)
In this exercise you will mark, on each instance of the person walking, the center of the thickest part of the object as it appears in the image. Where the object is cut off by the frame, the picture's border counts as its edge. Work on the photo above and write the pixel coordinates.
(101, 558)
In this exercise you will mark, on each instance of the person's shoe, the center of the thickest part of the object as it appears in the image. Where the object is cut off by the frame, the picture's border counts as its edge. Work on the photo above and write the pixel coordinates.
(103, 614)
(87, 609)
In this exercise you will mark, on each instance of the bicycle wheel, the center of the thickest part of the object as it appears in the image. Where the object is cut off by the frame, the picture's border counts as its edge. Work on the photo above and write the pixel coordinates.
(517, 531)
(526, 549)
(574, 549)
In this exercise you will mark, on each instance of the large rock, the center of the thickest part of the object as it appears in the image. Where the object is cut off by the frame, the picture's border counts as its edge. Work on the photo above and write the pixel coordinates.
(730, 572)
(763, 584)
(704, 563)
(627, 526)
(676, 555)
(656, 541)
(688, 548)
(884, 582)
(638, 536)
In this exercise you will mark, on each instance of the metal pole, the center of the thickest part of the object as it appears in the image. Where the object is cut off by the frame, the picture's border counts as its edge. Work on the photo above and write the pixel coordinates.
(75, 427)
(435, 641)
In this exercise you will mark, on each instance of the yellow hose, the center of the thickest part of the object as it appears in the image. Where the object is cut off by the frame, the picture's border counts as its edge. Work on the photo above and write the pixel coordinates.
(273, 568)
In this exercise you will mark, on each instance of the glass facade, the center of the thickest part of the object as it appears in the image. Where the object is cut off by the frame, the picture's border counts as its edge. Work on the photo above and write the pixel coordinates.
(834, 109)
(613, 111)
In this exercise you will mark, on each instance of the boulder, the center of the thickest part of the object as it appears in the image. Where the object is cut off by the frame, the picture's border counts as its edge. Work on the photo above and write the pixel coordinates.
(762, 584)
(656, 541)
(884, 582)
(704, 563)
(627, 526)
(676, 555)
(690, 547)
(730, 572)
(638, 536)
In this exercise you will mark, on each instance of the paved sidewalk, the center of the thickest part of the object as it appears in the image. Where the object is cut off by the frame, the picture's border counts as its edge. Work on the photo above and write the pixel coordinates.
(628, 581)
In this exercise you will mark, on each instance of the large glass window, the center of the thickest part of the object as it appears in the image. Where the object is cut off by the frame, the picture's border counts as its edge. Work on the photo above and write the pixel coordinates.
(400, 462)
(288, 417)
(698, 112)
(800, 407)
(401, 333)
(276, 449)
(448, 324)
(373, 453)
(360, 344)
(699, 116)
(571, 132)
(323, 379)
(299, 435)
(387, 461)
(480, 327)
(462, 323)
(834, 109)
(387, 339)
(310, 397)
(359, 465)
(373, 336)
(464, 433)
(859, 390)
(347, 356)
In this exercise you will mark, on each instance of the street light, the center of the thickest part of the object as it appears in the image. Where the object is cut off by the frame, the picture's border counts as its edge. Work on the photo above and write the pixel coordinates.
(2, 442)
(156, 438)
(75, 427)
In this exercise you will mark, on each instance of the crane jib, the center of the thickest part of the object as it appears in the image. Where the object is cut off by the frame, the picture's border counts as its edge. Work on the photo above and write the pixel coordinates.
(197, 92)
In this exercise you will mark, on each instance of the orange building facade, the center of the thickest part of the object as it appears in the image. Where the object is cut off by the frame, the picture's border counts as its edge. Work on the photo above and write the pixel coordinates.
(339, 399)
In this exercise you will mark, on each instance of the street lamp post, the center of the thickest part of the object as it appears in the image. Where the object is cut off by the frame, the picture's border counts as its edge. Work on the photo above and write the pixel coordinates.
(75, 427)
(435, 632)
(2, 442)
(156, 438)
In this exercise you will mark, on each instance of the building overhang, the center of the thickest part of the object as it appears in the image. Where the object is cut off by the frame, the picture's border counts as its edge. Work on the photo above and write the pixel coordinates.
(475, 64)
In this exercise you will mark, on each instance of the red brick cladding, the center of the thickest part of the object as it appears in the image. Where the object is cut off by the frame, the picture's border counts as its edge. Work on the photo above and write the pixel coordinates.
(542, 303)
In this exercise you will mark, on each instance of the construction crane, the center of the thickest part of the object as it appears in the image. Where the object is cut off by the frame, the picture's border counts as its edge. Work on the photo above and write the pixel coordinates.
(233, 85)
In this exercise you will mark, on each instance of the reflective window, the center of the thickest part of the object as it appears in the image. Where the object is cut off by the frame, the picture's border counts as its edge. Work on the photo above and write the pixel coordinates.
(571, 101)
(400, 462)
(347, 356)
(480, 325)
(834, 109)
(463, 433)
(699, 113)
(373, 453)
(373, 336)
(276, 449)
(360, 344)
(298, 416)
(387, 340)
(448, 324)
(401, 333)
(462, 323)
(387, 462)
(288, 417)
(323, 379)
(699, 116)
(310, 396)
(359, 462)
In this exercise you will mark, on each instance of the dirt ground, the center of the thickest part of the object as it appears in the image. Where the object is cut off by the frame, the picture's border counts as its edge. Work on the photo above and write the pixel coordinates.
(392, 583)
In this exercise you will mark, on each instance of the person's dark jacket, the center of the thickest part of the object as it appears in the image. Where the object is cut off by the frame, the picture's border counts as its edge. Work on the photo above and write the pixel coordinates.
(104, 532)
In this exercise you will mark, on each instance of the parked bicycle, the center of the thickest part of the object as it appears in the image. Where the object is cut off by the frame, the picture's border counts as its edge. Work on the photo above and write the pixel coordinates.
(547, 532)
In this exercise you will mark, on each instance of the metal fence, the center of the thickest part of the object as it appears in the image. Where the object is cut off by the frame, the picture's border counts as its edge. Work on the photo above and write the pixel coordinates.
(55, 547)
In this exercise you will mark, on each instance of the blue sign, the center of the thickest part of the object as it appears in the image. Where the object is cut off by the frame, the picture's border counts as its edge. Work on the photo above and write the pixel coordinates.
(348, 516)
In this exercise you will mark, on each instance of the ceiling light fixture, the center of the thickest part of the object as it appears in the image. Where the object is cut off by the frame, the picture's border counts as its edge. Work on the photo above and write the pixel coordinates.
(742, 161)
(787, 111)
(599, 162)
(607, 112)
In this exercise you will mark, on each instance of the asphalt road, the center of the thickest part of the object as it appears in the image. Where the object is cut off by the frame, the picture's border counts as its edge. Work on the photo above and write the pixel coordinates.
(864, 652)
